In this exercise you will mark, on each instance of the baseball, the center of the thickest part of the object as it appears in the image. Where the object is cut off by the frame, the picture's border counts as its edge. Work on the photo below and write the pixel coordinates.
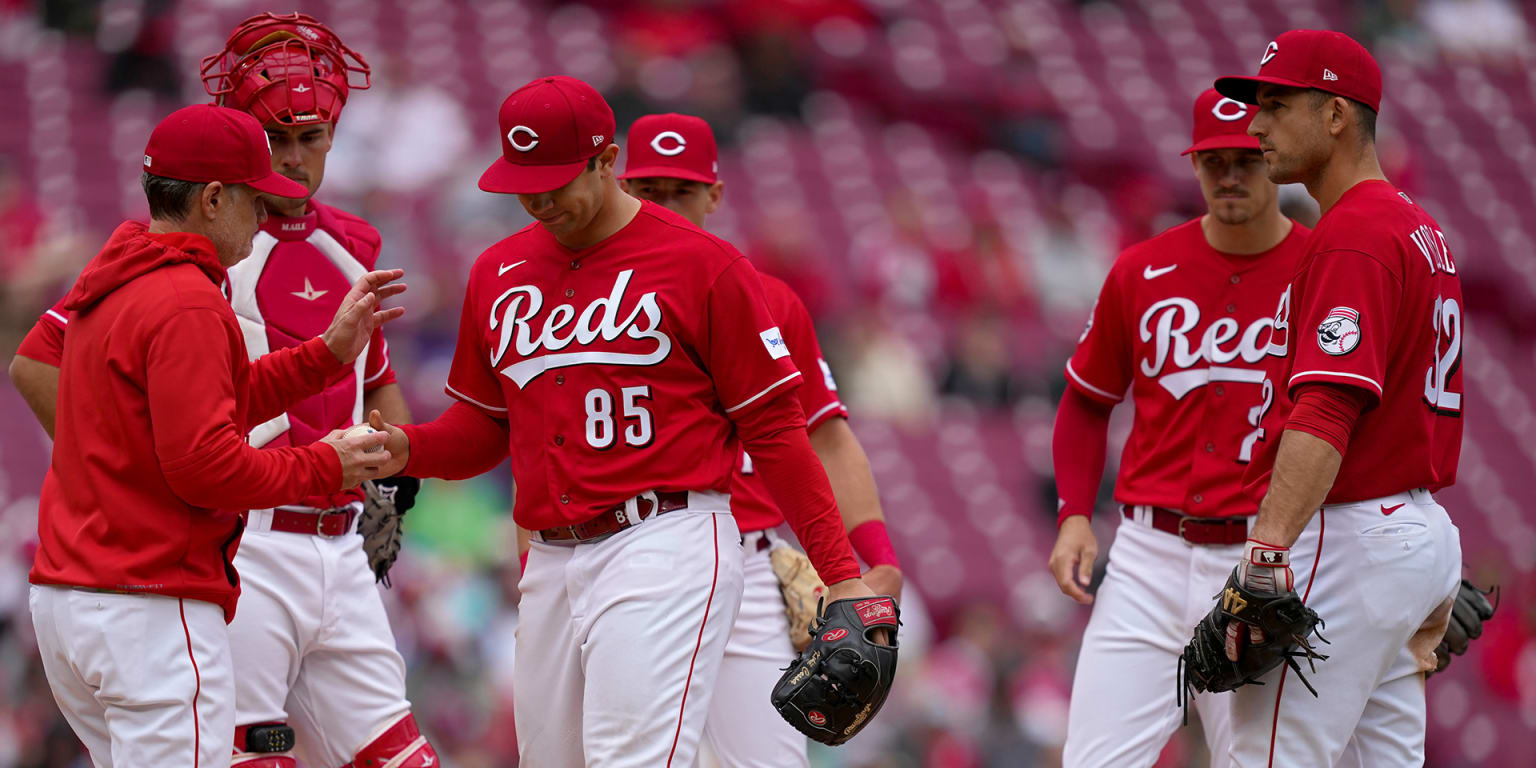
(361, 429)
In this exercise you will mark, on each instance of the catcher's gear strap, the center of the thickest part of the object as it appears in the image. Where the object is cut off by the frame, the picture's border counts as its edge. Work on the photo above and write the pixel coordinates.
(264, 738)
(838, 683)
(399, 745)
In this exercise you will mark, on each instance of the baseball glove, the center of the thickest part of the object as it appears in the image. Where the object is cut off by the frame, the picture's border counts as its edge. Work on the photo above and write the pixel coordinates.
(802, 590)
(1285, 621)
(383, 521)
(838, 683)
(1471, 610)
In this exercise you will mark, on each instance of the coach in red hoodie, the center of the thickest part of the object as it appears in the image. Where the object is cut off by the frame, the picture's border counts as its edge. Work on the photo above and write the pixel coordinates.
(133, 582)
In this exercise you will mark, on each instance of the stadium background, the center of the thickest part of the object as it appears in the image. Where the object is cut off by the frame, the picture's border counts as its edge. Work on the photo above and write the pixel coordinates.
(945, 182)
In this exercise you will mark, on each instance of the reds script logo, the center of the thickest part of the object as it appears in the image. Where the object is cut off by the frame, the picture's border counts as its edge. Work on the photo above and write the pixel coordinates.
(1166, 325)
(512, 314)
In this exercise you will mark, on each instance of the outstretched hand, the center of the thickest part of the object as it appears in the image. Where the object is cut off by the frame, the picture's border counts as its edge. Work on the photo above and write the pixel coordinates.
(398, 445)
(360, 314)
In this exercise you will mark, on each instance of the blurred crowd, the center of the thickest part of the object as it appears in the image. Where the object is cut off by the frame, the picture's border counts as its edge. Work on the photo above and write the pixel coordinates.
(932, 296)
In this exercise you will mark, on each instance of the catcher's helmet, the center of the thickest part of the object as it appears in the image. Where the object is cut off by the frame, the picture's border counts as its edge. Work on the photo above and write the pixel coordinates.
(284, 68)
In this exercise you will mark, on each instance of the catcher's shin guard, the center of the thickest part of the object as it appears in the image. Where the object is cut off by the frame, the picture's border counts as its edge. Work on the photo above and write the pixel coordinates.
(400, 745)
(263, 745)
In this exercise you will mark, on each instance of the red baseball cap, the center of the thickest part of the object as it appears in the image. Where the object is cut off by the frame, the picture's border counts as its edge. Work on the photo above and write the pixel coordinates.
(672, 146)
(1312, 58)
(550, 128)
(1221, 123)
(204, 143)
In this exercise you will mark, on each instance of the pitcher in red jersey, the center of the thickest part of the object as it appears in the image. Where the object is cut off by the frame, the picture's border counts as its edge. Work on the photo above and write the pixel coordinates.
(624, 357)
(1360, 421)
(1182, 322)
(320, 678)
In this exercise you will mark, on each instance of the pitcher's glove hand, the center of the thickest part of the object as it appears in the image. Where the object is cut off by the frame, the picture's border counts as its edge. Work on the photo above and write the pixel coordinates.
(1259, 623)
(802, 590)
(838, 683)
(1471, 610)
(383, 522)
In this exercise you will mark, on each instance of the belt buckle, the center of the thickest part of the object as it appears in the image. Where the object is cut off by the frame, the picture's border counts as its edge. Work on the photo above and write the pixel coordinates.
(1182, 520)
(320, 524)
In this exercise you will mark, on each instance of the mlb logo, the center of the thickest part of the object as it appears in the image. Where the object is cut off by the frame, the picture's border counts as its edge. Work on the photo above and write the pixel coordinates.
(773, 341)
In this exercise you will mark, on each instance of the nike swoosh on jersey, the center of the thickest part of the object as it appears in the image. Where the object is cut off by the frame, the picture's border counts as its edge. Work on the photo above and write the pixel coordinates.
(1386, 510)
(1150, 273)
(508, 267)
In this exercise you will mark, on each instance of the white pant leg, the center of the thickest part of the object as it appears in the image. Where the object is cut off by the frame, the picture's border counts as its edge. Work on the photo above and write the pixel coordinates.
(547, 685)
(278, 616)
(1124, 692)
(743, 729)
(1374, 579)
(351, 681)
(654, 607)
(143, 679)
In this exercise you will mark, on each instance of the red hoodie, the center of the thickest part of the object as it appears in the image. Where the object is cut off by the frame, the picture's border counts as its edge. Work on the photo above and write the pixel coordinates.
(156, 397)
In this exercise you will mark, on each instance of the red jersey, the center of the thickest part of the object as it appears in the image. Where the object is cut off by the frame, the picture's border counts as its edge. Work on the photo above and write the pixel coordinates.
(1183, 325)
(1374, 304)
(750, 500)
(156, 395)
(284, 293)
(618, 366)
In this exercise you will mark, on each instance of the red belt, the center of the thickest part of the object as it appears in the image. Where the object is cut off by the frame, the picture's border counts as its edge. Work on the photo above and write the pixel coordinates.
(1197, 530)
(337, 522)
(617, 518)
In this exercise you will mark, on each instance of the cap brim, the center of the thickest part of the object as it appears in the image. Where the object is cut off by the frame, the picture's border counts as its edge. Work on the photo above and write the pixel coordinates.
(1225, 141)
(509, 179)
(278, 185)
(666, 172)
(1246, 89)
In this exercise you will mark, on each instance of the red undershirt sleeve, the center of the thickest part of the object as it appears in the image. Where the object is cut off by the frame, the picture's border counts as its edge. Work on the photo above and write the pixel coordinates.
(774, 435)
(460, 444)
(1078, 452)
(1328, 412)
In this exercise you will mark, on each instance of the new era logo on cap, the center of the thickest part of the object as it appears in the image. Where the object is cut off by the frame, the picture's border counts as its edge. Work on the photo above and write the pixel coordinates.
(1328, 74)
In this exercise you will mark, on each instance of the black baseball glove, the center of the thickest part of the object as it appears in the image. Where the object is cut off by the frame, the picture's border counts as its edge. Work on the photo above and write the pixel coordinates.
(841, 679)
(383, 522)
(1471, 610)
(1286, 625)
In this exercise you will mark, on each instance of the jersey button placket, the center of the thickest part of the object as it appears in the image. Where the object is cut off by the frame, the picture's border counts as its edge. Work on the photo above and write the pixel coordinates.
(565, 498)
(559, 439)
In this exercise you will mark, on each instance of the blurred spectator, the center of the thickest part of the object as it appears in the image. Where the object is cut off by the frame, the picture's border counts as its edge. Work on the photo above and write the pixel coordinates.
(980, 369)
(139, 35)
(1492, 31)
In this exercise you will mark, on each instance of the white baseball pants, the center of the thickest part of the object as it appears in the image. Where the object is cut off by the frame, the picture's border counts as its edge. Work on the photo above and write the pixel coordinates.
(1124, 705)
(619, 641)
(1374, 571)
(142, 679)
(312, 643)
(743, 729)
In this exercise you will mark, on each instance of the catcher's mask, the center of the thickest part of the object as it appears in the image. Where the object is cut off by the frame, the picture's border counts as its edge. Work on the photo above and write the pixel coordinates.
(284, 68)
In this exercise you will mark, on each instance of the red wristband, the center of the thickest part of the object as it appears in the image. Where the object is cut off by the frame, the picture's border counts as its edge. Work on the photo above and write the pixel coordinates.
(873, 544)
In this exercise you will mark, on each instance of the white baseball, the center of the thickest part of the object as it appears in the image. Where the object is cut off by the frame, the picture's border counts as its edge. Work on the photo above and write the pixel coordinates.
(361, 429)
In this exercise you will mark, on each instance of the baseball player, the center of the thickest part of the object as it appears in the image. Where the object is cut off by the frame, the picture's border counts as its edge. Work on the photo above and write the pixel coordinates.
(1360, 423)
(672, 162)
(625, 356)
(133, 581)
(1181, 321)
(319, 676)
